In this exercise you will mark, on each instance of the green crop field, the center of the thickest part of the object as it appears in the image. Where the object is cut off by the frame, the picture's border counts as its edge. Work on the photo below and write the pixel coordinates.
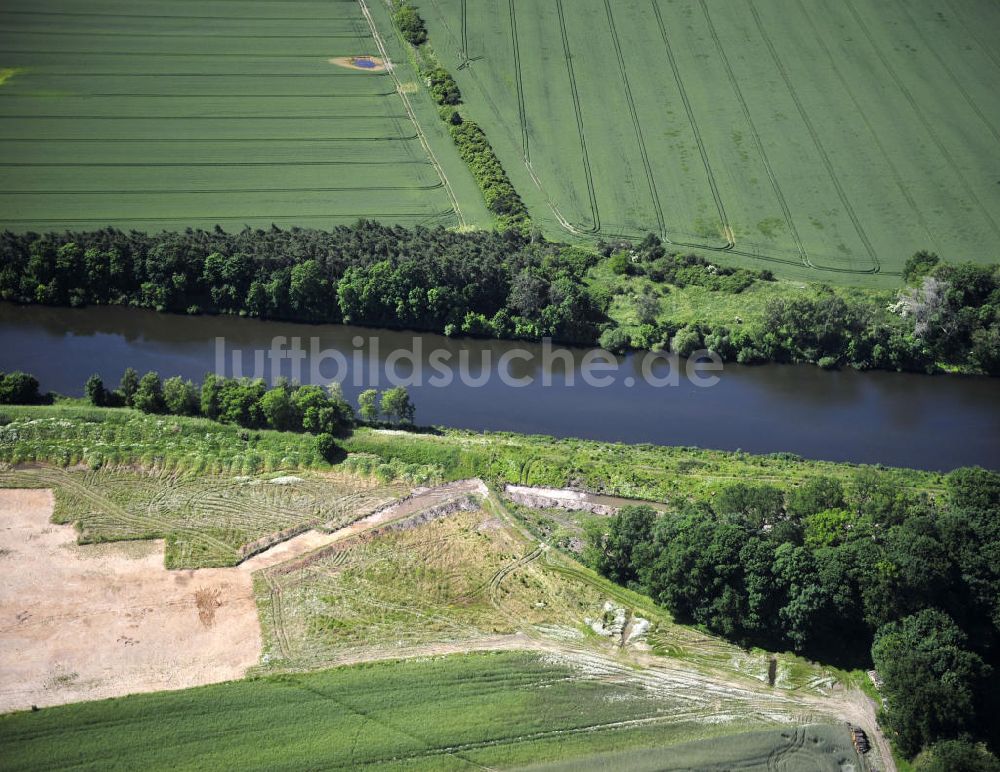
(167, 115)
(484, 710)
(826, 141)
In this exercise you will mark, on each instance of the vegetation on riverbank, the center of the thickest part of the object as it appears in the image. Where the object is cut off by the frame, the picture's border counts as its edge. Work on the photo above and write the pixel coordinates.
(71, 432)
(861, 574)
(511, 286)
(946, 317)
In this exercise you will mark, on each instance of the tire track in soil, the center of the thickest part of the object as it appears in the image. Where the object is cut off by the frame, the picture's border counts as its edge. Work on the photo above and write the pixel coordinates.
(505, 571)
(519, 83)
(702, 150)
(758, 143)
(908, 95)
(633, 113)
(824, 156)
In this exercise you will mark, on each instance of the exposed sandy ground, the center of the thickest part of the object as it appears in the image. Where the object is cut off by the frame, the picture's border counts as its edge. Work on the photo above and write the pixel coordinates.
(88, 622)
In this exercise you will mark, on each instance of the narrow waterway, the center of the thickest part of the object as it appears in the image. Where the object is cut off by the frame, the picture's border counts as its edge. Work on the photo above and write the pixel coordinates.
(938, 422)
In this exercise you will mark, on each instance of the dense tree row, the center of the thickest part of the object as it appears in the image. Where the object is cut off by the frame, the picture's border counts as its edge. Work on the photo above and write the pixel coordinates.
(409, 22)
(870, 573)
(287, 407)
(501, 197)
(370, 274)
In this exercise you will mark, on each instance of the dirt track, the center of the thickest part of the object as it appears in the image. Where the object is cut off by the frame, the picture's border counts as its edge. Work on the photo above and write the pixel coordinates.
(88, 622)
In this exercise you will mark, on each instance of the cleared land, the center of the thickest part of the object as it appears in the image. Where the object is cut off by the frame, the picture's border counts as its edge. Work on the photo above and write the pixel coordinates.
(824, 141)
(164, 116)
(96, 621)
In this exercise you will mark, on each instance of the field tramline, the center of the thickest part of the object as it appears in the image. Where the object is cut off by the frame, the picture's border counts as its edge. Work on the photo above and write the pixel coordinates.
(822, 141)
(148, 117)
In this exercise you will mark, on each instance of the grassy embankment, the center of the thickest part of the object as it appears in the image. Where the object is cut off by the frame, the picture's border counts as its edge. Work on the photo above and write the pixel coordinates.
(203, 486)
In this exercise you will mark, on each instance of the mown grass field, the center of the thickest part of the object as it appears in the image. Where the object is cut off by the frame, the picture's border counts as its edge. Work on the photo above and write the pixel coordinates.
(206, 520)
(823, 141)
(158, 115)
(473, 579)
(450, 713)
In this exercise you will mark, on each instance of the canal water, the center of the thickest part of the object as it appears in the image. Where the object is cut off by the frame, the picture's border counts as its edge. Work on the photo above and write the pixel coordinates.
(929, 422)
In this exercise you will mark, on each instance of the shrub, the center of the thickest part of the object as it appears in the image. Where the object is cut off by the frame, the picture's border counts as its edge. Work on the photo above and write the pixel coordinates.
(620, 264)
(443, 87)
(614, 339)
(410, 24)
(19, 388)
(329, 450)
(95, 391)
(686, 341)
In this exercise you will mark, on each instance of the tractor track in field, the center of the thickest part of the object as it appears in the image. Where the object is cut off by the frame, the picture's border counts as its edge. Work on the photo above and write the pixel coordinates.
(188, 140)
(199, 165)
(422, 217)
(149, 117)
(201, 95)
(497, 579)
(636, 124)
(384, 54)
(595, 227)
(956, 81)
(928, 128)
(702, 150)
(86, 14)
(817, 143)
(893, 170)
(216, 191)
(464, 25)
(758, 142)
(519, 83)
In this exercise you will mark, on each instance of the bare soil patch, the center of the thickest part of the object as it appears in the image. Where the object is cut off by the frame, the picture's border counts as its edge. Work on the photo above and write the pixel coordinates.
(89, 622)
(362, 63)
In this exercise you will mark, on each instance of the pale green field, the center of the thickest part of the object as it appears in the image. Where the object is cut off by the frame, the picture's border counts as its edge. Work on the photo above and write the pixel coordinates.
(157, 115)
(475, 711)
(826, 141)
